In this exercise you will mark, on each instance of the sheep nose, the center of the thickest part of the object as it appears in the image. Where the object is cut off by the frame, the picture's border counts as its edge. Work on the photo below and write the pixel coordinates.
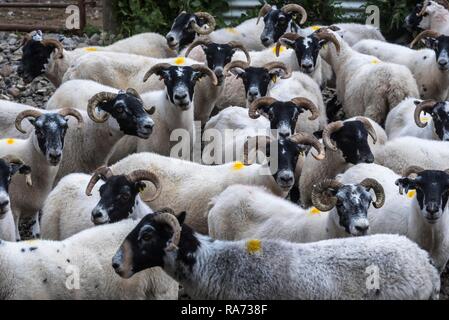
(432, 208)
(307, 65)
(362, 228)
(180, 96)
(265, 40)
(368, 158)
(286, 179)
(115, 265)
(148, 126)
(170, 38)
(96, 214)
(55, 156)
(284, 134)
(443, 62)
(3, 204)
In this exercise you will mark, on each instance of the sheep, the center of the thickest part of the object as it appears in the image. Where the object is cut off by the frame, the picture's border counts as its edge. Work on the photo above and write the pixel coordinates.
(187, 26)
(241, 212)
(77, 268)
(43, 151)
(274, 269)
(9, 166)
(365, 85)
(430, 67)
(180, 179)
(351, 146)
(75, 204)
(48, 57)
(420, 214)
(422, 119)
(400, 153)
(124, 113)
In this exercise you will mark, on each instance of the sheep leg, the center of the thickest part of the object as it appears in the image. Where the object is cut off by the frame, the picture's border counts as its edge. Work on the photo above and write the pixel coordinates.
(36, 229)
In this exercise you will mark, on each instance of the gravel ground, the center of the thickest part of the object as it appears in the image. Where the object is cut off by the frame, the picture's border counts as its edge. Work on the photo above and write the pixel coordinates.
(37, 93)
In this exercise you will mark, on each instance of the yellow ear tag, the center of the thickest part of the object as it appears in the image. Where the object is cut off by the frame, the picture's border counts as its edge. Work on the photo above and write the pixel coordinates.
(315, 28)
(10, 141)
(142, 189)
(315, 211)
(90, 49)
(424, 119)
(274, 78)
(237, 166)
(232, 30)
(253, 246)
(281, 49)
(375, 61)
(180, 61)
(411, 194)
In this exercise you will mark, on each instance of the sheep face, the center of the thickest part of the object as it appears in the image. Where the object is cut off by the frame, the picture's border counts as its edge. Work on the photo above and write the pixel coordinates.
(118, 198)
(287, 158)
(181, 33)
(440, 117)
(256, 81)
(276, 24)
(218, 56)
(352, 140)
(50, 130)
(128, 110)
(441, 47)
(145, 247)
(7, 171)
(413, 20)
(431, 192)
(307, 50)
(283, 117)
(34, 58)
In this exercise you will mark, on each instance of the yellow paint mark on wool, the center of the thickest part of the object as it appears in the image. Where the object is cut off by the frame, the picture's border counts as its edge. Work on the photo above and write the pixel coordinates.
(237, 166)
(315, 28)
(315, 211)
(90, 49)
(253, 246)
(180, 61)
(31, 242)
(375, 61)
(411, 194)
(10, 141)
(281, 49)
(232, 30)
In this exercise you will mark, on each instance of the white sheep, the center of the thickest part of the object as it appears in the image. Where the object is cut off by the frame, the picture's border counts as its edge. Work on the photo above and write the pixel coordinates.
(365, 85)
(274, 269)
(430, 67)
(42, 269)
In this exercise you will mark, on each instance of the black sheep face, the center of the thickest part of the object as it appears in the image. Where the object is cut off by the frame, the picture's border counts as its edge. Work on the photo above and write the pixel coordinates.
(7, 171)
(181, 33)
(217, 57)
(35, 56)
(276, 24)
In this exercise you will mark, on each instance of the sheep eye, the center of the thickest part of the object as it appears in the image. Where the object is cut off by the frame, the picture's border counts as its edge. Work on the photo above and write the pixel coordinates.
(119, 109)
(124, 197)
(146, 237)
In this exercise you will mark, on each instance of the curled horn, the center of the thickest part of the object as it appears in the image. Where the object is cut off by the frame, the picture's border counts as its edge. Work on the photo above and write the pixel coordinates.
(207, 71)
(323, 35)
(308, 105)
(235, 64)
(17, 160)
(155, 69)
(74, 113)
(327, 132)
(26, 114)
(279, 65)
(369, 127)
(253, 110)
(140, 175)
(426, 106)
(412, 170)
(425, 34)
(167, 216)
(308, 139)
(266, 140)
(424, 8)
(288, 8)
(378, 191)
(56, 44)
(102, 171)
(289, 36)
(320, 199)
(241, 47)
(94, 101)
(196, 43)
(263, 11)
(210, 20)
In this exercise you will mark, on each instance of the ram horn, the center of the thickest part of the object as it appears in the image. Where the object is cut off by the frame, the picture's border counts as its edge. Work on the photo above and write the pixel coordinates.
(444, 3)
(320, 199)
(259, 140)
(235, 64)
(369, 127)
(426, 106)
(253, 110)
(17, 160)
(102, 171)
(323, 35)
(263, 11)
(288, 8)
(307, 105)
(74, 113)
(26, 114)
(241, 47)
(412, 170)
(327, 132)
(155, 70)
(289, 36)
(134, 93)
(210, 20)
(93, 103)
(205, 70)
(378, 191)
(140, 175)
(279, 65)
(308, 139)
(424, 34)
(56, 44)
(167, 216)
(196, 43)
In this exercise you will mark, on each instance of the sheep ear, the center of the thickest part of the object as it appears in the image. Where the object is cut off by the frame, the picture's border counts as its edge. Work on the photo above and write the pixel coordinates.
(288, 43)
(237, 72)
(21, 168)
(405, 184)
(181, 217)
(276, 72)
